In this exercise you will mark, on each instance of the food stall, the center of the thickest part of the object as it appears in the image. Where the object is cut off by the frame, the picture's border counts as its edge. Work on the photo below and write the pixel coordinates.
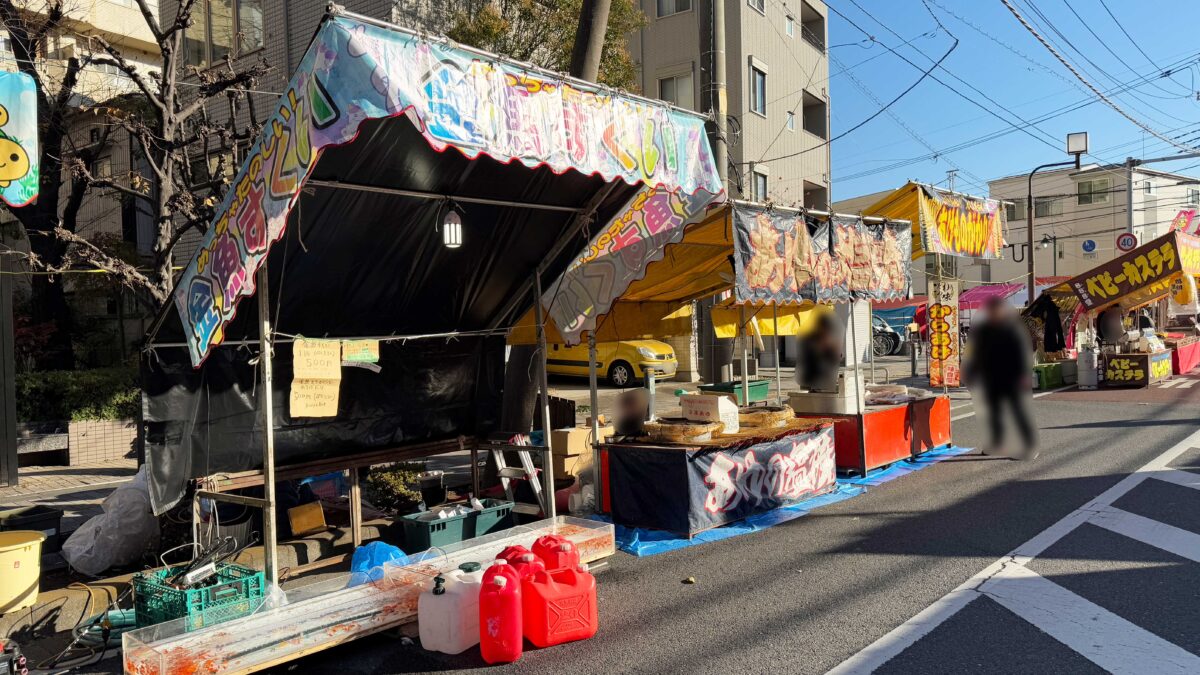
(1108, 300)
(787, 272)
(405, 203)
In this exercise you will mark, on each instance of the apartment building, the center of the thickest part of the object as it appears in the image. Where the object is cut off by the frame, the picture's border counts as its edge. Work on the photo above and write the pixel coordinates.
(1078, 215)
(777, 73)
(120, 23)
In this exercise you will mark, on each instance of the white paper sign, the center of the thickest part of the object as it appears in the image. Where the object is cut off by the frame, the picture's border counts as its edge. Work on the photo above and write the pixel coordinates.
(710, 408)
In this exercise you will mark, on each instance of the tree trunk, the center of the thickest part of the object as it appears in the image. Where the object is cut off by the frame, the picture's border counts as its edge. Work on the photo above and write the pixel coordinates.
(589, 39)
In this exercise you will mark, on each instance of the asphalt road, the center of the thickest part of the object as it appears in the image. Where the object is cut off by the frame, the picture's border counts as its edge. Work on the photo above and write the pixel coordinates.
(805, 596)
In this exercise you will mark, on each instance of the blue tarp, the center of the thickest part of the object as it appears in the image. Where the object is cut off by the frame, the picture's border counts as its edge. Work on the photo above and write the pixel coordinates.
(642, 542)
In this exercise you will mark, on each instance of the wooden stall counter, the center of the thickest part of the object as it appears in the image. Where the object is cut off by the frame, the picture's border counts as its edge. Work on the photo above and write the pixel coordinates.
(687, 489)
(885, 434)
(1137, 370)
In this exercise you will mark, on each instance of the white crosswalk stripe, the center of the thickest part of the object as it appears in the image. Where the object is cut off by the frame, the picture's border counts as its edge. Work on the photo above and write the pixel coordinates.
(1108, 640)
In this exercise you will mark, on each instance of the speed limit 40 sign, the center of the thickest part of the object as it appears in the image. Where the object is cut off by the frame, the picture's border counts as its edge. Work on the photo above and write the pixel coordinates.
(1126, 241)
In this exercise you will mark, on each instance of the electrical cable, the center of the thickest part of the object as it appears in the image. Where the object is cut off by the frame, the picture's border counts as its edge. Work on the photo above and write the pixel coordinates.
(1165, 72)
(1099, 94)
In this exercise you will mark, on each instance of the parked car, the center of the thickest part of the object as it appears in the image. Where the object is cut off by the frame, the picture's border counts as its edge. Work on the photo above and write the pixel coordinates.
(622, 363)
(885, 340)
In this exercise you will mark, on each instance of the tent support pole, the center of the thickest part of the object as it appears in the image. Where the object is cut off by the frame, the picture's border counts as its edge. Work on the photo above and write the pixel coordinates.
(598, 478)
(265, 356)
(745, 358)
(778, 358)
(549, 508)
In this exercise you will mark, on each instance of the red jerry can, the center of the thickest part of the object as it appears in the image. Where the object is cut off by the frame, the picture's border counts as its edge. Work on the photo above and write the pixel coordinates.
(557, 552)
(500, 626)
(559, 607)
(522, 559)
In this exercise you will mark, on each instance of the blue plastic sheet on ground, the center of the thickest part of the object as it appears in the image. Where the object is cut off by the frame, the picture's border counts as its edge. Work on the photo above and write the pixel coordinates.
(369, 559)
(905, 467)
(642, 542)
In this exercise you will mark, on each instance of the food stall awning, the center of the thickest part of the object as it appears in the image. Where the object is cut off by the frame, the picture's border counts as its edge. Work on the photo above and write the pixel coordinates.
(761, 255)
(945, 222)
(1141, 276)
(344, 198)
(977, 297)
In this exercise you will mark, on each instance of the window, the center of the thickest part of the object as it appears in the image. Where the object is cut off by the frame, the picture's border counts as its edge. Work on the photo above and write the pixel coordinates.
(223, 27)
(758, 189)
(790, 26)
(760, 5)
(1149, 188)
(791, 121)
(669, 7)
(1015, 210)
(1044, 207)
(758, 91)
(678, 89)
(1193, 196)
(1093, 191)
(5, 45)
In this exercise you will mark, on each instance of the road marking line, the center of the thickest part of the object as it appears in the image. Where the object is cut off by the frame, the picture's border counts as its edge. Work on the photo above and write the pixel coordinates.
(903, 636)
(1159, 535)
(1187, 384)
(1100, 636)
(1166, 384)
(1037, 395)
(1177, 477)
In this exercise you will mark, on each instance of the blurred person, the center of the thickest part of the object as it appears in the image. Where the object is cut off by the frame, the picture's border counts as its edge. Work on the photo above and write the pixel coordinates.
(1000, 369)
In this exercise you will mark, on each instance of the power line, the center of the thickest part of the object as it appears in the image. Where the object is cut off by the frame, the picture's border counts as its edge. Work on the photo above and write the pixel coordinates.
(1165, 73)
(1107, 101)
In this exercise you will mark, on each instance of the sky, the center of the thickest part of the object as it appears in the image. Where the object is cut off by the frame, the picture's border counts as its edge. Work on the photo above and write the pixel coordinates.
(1003, 73)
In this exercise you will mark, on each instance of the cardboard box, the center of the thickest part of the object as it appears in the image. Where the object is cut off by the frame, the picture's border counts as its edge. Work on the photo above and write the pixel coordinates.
(576, 441)
(711, 408)
(572, 465)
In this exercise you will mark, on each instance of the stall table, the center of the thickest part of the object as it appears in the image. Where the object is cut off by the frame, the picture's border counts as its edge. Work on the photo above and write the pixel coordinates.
(687, 489)
(1185, 355)
(885, 434)
(1137, 370)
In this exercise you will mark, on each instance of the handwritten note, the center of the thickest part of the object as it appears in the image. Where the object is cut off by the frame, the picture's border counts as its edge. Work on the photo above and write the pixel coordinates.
(360, 351)
(316, 378)
(314, 398)
(317, 359)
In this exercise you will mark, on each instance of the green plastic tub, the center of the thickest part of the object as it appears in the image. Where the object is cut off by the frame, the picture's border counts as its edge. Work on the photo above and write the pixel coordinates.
(419, 535)
(759, 389)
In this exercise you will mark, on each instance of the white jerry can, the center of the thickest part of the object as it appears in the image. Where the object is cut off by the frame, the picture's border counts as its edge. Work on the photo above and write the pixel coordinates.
(448, 611)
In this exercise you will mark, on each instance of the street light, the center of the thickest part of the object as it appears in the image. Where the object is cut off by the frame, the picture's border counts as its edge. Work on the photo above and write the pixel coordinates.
(1077, 144)
(1047, 240)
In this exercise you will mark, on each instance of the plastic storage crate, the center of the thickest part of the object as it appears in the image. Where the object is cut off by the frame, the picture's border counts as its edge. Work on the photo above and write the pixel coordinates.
(44, 519)
(237, 592)
(421, 534)
(759, 389)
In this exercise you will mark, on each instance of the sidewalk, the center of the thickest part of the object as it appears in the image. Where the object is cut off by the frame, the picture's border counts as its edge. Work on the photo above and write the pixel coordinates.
(76, 490)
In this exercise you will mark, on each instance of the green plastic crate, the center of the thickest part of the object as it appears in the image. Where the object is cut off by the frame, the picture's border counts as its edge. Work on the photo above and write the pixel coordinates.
(419, 535)
(1047, 376)
(759, 389)
(237, 592)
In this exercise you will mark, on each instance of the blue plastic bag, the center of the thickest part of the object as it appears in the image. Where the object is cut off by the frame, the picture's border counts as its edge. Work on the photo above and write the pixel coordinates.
(369, 559)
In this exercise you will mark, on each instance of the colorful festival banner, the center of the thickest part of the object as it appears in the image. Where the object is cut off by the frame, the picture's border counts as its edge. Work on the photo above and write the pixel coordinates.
(1186, 221)
(945, 362)
(961, 225)
(19, 155)
(788, 258)
(354, 72)
(1141, 275)
(618, 256)
(689, 490)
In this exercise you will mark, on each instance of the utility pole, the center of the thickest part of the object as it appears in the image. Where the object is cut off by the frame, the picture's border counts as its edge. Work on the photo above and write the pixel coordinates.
(715, 100)
(589, 39)
(1129, 164)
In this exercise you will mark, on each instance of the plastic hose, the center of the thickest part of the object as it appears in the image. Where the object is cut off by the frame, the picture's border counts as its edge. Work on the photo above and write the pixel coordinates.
(90, 633)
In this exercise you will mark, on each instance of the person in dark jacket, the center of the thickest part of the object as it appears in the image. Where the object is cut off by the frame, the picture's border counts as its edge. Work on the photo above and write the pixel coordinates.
(999, 370)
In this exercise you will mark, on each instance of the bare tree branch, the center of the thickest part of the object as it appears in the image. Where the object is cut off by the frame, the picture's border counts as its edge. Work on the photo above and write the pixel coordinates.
(116, 59)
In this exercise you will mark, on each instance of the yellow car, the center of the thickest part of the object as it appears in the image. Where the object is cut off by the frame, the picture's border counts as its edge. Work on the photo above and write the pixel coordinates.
(622, 363)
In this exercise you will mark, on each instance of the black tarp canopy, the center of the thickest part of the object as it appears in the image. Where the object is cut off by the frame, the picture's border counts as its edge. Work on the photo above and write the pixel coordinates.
(379, 133)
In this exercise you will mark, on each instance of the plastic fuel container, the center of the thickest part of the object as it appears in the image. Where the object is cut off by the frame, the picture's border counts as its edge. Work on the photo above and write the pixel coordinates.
(523, 560)
(559, 607)
(448, 612)
(557, 552)
(500, 625)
